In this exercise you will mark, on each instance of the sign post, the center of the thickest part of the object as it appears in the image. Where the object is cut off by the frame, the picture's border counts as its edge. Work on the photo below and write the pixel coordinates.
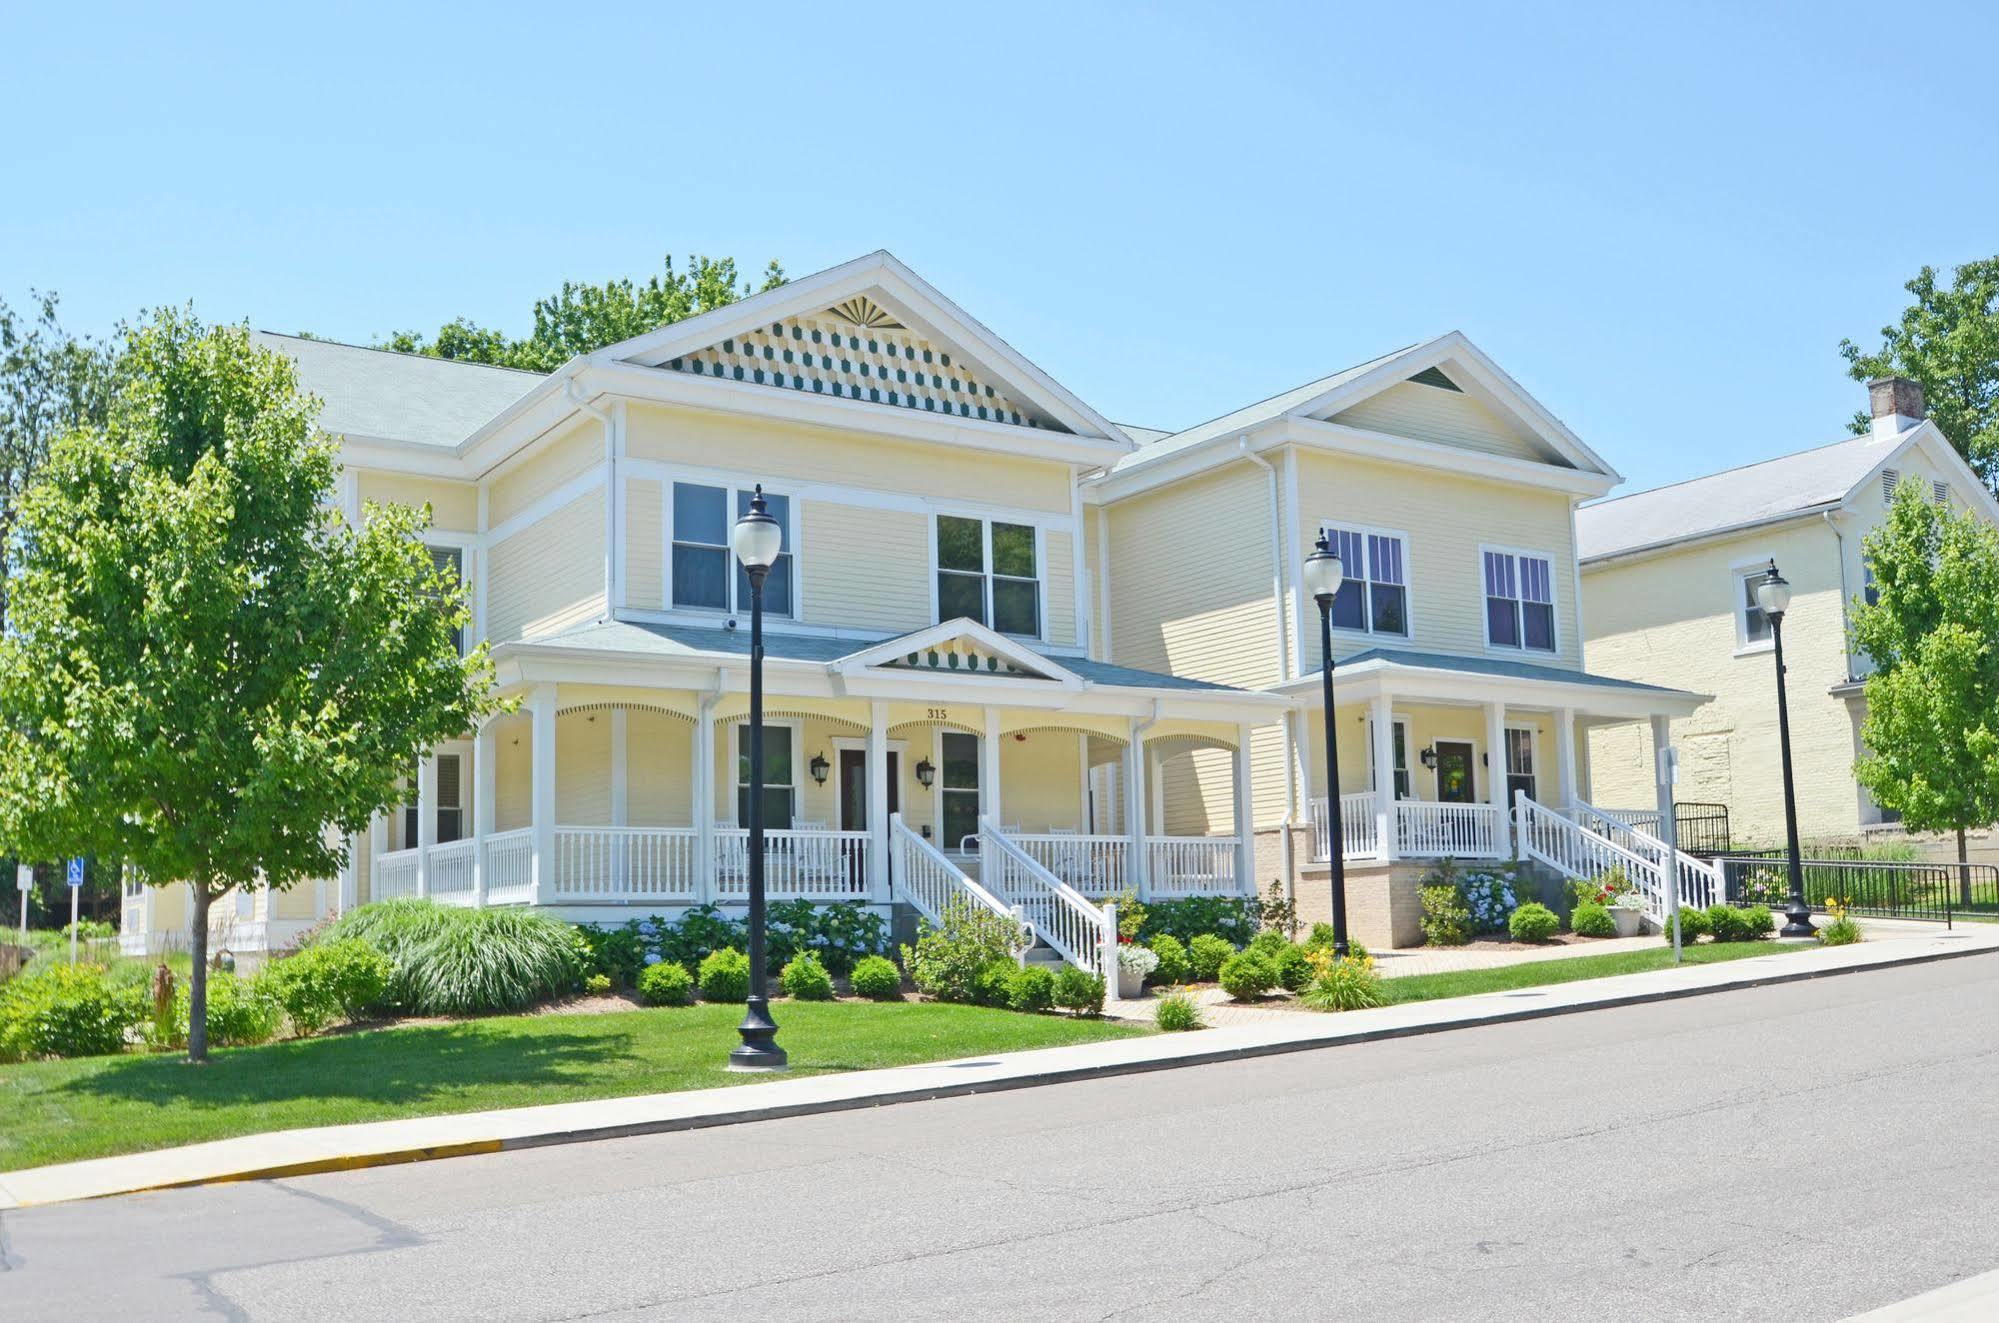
(75, 890)
(24, 881)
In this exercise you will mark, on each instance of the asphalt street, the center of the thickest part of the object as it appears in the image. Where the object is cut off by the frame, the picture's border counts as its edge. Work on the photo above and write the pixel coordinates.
(1796, 1152)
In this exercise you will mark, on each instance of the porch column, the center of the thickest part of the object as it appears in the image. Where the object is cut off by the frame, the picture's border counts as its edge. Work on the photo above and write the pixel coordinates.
(1565, 754)
(702, 779)
(426, 820)
(989, 769)
(1495, 775)
(485, 794)
(1382, 713)
(378, 845)
(541, 703)
(1245, 815)
(1134, 808)
(877, 758)
(621, 856)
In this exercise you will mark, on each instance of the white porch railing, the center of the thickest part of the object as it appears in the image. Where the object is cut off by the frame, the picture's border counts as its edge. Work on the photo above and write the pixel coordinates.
(448, 872)
(798, 864)
(1426, 829)
(1078, 930)
(1094, 865)
(1700, 882)
(395, 875)
(1194, 865)
(510, 867)
(925, 877)
(1359, 828)
(1558, 841)
(624, 863)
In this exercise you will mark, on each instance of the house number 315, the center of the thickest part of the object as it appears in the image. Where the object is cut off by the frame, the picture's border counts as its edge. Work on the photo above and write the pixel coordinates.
(940, 714)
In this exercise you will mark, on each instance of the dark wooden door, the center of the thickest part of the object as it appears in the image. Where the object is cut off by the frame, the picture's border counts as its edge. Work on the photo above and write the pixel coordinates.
(1455, 781)
(854, 788)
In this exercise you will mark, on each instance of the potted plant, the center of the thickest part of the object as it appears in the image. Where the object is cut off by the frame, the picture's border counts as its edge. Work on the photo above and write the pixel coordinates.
(1627, 911)
(1134, 962)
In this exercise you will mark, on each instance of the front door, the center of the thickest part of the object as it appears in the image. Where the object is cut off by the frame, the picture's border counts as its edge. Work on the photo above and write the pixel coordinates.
(1454, 772)
(854, 794)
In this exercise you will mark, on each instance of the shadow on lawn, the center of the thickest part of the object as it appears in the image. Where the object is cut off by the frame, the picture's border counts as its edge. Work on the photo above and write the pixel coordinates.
(394, 1066)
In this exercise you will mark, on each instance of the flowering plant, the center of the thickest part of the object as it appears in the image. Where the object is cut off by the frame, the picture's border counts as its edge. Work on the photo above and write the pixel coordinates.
(1488, 894)
(1135, 959)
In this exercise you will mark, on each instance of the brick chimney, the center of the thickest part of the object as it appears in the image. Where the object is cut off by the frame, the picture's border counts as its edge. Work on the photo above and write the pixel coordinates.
(1896, 403)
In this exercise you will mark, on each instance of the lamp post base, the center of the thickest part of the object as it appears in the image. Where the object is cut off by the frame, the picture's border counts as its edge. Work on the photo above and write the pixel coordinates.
(1797, 921)
(758, 1052)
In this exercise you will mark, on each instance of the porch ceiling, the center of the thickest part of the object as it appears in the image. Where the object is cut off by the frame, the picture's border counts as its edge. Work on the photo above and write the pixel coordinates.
(1446, 678)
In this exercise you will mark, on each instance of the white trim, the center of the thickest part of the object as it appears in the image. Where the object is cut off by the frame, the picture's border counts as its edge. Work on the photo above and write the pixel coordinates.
(841, 494)
(731, 493)
(938, 730)
(1484, 599)
(1079, 564)
(1738, 571)
(547, 504)
(1533, 734)
(859, 744)
(1006, 646)
(1437, 772)
(1410, 762)
(988, 574)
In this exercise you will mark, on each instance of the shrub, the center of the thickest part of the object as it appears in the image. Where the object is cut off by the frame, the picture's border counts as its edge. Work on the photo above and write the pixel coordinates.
(667, 984)
(1247, 975)
(1590, 919)
(1757, 921)
(1135, 959)
(1321, 935)
(1839, 928)
(1032, 988)
(65, 1011)
(1489, 898)
(1079, 990)
(701, 932)
(328, 981)
(1346, 985)
(1533, 922)
(1278, 912)
(947, 959)
(725, 975)
(1178, 1013)
(1693, 924)
(1131, 914)
(1232, 918)
(1446, 921)
(1205, 955)
(240, 1013)
(1268, 943)
(993, 983)
(838, 934)
(465, 962)
(1729, 924)
(1173, 966)
(619, 954)
(1293, 966)
(597, 985)
(876, 978)
(805, 978)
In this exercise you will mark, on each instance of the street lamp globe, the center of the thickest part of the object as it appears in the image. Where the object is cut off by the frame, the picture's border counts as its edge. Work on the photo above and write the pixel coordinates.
(1773, 594)
(1323, 571)
(757, 538)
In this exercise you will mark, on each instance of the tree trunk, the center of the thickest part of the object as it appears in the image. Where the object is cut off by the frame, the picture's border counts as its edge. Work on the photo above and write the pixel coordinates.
(1963, 872)
(197, 982)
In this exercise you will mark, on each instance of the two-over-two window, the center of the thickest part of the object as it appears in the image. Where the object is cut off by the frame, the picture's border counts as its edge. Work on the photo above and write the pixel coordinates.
(987, 571)
(1519, 601)
(1374, 596)
(704, 575)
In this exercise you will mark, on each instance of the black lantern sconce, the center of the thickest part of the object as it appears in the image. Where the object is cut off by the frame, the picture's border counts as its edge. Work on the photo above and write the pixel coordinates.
(819, 767)
(925, 773)
(1429, 757)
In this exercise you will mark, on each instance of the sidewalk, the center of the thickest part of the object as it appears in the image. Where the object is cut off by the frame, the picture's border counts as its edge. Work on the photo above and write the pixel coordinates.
(336, 1148)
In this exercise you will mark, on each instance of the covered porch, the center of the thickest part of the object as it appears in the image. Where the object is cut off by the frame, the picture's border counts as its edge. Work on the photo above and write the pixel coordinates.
(622, 780)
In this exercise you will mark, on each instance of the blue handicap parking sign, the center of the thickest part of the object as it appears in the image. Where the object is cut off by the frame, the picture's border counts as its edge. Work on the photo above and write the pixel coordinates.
(76, 872)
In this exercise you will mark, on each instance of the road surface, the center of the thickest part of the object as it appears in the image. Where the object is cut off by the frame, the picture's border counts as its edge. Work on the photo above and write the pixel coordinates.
(1798, 1152)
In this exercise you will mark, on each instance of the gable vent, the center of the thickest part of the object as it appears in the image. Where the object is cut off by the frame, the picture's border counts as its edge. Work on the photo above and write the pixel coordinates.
(1430, 376)
(1940, 492)
(1889, 477)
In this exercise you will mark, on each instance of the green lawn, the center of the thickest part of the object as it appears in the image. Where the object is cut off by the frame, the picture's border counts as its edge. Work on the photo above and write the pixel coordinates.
(1469, 982)
(59, 1111)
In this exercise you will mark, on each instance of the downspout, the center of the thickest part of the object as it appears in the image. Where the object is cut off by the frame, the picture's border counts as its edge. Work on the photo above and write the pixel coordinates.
(575, 397)
(1284, 655)
(1845, 600)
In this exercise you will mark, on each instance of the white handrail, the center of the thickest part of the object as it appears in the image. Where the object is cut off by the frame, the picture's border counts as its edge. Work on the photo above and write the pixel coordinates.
(926, 878)
(1571, 850)
(1700, 882)
(1435, 829)
(810, 863)
(1078, 931)
(1093, 865)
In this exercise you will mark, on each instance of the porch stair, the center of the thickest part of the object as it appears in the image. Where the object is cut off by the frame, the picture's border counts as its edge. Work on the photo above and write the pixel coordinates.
(926, 880)
(1584, 843)
(1065, 922)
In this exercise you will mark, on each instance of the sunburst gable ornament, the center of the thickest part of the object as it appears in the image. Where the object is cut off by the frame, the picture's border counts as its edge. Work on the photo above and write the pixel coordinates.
(864, 311)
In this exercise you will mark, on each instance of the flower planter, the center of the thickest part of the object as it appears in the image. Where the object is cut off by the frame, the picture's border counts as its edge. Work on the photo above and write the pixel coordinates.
(1130, 984)
(1628, 921)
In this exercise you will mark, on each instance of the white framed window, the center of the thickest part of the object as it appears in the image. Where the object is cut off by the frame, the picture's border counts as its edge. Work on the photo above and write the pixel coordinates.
(780, 783)
(989, 570)
(1752, 627)
(1374, 596)
(451, 560)
(703, 574)
(1404, 788)
(1519, 600)
(957, 787)
(1519, 762)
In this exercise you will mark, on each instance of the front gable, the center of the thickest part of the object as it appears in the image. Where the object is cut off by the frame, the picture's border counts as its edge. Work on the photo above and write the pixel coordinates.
(962, 648)
(1430, 407)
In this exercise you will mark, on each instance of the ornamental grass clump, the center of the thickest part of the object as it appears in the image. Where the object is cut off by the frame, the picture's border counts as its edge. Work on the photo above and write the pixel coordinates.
(1179, 1013)
(482, 961)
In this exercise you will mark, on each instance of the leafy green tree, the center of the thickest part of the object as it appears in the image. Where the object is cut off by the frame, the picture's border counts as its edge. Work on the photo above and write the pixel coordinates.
(50, 382)
(207, 672)
(585, 317)
(1947, 340)
(1932, 726)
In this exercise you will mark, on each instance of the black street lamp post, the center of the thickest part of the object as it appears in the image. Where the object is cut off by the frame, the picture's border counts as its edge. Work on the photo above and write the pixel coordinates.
(1322, 575)
(1773, 594)
(757, 539)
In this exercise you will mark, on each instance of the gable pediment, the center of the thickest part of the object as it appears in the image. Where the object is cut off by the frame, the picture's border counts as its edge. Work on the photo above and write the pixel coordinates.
(1447, 408)
(959, 648)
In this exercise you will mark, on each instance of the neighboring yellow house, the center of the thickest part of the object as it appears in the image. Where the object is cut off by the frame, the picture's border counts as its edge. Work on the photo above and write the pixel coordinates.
(1668, 589)
(1016, 655)
(1450, 495)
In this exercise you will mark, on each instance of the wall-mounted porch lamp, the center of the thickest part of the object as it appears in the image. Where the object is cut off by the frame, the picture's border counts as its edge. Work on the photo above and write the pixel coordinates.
(925, 773)
(819, 767)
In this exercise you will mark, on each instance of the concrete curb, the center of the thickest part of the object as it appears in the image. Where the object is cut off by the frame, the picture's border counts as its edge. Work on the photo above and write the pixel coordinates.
(421, 1139)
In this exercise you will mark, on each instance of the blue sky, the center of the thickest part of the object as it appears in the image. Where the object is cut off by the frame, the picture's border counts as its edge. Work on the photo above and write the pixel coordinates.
(1659, 219)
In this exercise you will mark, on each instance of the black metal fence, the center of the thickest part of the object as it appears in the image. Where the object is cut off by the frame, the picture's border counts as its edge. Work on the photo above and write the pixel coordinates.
(1702, 829)
(1868, 887)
